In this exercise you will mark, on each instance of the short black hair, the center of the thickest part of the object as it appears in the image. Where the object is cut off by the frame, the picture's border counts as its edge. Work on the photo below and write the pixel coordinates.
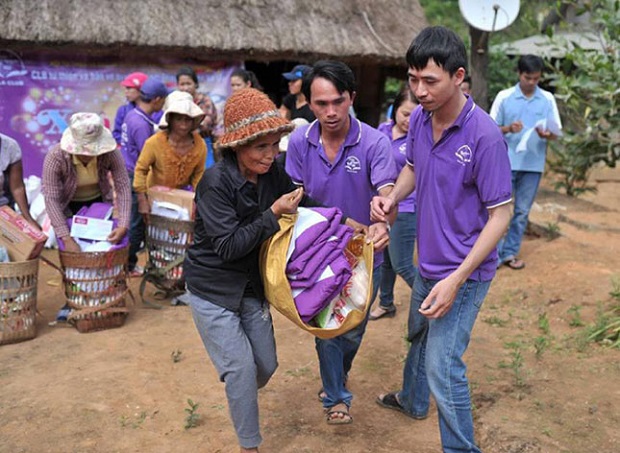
(530, 64)
(336, 72)
(187, 71)
(441, 45)
(403, 95)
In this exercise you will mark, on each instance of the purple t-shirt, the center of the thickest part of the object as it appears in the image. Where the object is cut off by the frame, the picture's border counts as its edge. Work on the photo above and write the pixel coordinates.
(137, 128)
(364, 165)
(458, 179)
(399, 152)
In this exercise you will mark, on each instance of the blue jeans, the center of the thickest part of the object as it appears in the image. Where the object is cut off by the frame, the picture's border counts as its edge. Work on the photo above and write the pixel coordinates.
(336, 356)
(243, 350)
(524, 188)
(398, 258)
(435, 363)
(137, 229)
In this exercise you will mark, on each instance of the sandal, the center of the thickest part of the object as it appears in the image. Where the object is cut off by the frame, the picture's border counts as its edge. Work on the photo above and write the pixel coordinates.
(390, 401)
(338, 416)
(515, 264)
(380, 312)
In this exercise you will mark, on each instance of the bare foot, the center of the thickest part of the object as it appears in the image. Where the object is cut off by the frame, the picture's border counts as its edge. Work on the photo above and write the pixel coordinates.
(249, 450)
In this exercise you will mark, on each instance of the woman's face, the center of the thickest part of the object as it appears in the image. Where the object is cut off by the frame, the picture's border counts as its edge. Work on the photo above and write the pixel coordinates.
(180, 124)
(402, 115)
(187, 84)
(294, 86)
(256, 157)
(237, 83)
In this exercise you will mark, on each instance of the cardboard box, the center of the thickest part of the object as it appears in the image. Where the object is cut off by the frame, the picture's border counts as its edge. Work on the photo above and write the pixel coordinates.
(22, 240)
(183, 198)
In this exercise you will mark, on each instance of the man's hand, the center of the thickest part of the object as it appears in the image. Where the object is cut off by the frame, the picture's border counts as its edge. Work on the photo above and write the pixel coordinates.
(379, 234)
(515, 127)
(380, 208)
(439, 301)
(287, 203)
(544, 134)
(117, 235)
(357, 227)
(71, 245)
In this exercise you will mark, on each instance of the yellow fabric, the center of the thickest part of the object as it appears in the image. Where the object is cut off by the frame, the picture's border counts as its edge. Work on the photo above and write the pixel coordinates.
(160, 165)
(278, 291)
(87, 180)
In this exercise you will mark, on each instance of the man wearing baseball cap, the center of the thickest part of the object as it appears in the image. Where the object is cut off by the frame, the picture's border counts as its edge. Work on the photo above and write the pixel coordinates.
(139, 125)
(132, 83)
(294, 104)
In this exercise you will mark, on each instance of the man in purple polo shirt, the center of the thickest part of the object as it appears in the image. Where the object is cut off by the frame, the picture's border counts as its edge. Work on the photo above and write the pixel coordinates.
(341, 162)
(458, 162)
(138, 126)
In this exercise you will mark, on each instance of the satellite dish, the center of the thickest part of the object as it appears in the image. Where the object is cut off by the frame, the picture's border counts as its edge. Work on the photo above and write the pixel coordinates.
(489, 15)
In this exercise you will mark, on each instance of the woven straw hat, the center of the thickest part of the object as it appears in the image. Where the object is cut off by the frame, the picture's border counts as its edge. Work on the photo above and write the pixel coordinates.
(87, 136)
(248, 115)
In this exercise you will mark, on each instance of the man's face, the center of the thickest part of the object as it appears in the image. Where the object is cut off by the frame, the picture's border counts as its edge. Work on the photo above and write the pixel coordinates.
(528, 82)
(330, 107)
(132, 94)
(433, 86)
(465, 88)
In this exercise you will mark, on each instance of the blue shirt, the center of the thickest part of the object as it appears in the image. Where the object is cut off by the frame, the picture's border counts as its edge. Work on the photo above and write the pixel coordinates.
(512, 105)
(458, 179)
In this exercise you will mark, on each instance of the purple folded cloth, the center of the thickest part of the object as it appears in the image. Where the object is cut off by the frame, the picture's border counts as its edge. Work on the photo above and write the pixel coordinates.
(310, 301)
(314, 226)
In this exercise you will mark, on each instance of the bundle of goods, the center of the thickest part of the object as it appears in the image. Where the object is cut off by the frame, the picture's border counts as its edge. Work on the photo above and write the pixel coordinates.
(95, 279)
(20, 246)
(316, 273)
(169, 233)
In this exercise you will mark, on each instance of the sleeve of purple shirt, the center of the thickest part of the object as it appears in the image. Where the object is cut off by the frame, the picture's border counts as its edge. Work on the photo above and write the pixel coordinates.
(492, 171)
(118, 123)
(139, 135)
(382, 166)
(294, 158)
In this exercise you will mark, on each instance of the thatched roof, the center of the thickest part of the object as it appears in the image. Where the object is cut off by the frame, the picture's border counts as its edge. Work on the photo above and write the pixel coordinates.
(367, 30)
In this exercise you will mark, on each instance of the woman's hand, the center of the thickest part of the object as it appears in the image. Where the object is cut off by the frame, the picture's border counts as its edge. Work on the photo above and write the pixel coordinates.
(117, 235)
(287, 203)
(71, 245)
(143, 207)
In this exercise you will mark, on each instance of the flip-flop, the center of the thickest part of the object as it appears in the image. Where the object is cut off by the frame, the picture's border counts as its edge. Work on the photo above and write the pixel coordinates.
(389, 401)
(386, 314)
(515, 264)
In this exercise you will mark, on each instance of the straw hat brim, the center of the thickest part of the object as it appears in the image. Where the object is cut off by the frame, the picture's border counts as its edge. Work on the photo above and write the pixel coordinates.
(105, 143)
(253, 131)
(183, 107)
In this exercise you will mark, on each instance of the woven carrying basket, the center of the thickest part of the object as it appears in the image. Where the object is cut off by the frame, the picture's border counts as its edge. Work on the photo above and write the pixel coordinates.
(167, 241)
(18, 301)
(96, 288)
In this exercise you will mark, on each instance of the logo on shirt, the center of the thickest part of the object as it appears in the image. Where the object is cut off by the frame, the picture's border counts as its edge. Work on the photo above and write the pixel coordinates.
(403, 148)
(463, 155)
(353, 164)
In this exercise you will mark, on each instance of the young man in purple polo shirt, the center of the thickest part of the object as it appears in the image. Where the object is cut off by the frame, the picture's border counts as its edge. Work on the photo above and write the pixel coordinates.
(458, 163)
(138, 126)
(341, 162)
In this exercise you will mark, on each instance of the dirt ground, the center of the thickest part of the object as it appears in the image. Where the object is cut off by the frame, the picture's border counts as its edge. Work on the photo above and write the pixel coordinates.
(121, 391)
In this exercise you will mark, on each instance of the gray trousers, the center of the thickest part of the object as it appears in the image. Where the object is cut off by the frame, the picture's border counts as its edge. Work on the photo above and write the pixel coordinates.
(243, 350)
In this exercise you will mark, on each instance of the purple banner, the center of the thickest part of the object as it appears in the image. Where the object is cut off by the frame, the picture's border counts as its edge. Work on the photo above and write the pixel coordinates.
(38, 98)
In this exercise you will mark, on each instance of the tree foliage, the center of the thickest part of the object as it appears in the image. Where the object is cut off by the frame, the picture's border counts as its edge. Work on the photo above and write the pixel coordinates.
(586, 84)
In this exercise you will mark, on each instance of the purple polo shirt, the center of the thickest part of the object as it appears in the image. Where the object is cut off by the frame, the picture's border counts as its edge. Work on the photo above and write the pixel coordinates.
(399, 152)
(458, 179)
(364, 165)
(137, 128)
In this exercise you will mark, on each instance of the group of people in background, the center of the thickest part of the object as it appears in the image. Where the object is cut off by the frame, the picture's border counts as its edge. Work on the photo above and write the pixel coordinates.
(440, 172)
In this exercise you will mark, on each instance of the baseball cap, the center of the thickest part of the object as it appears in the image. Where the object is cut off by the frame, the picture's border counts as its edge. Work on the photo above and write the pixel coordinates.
(134, 80)
(154, 88)
(298, 72)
